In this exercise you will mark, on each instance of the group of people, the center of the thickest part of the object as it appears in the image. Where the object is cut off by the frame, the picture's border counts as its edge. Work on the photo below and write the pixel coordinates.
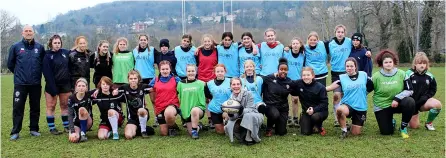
(196, 81)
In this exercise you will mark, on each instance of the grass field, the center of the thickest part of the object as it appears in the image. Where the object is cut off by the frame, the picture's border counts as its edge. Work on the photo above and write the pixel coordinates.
(422, 143)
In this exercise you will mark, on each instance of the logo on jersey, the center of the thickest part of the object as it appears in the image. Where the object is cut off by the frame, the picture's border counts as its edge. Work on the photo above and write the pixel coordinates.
(301, 90)
(415, 82)
(64, 56)
(51, 57)
(274, 81)
(22, 50)
(17, 93)
(112, 105)
(363, 117)
(287, 86)
(36, 50)
(427, 82)
(79, 60)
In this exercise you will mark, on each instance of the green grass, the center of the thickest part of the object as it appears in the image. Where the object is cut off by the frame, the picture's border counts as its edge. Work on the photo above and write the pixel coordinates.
(422, 143)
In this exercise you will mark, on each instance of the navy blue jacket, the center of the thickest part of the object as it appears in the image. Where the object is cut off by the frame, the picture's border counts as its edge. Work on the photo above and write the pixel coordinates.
(364, 62)
(169, 56)
(25, 61)
(56, 70)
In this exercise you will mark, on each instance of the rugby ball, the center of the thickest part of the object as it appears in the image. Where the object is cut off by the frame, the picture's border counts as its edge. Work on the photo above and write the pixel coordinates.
(231, 106)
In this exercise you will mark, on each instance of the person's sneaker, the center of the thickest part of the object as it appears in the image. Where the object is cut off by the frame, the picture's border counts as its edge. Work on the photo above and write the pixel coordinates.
(211, 125)
(14, 137)
(269, 133)
(322, 132)
(429, 126)
(202, 127)
(34, 133)
(83, 138)
(290, 122)
(55, 131)
(336, 124)
(172, 132)
(296, 122)
(393, 124)
(194, 134)
(343, 135)
(155, 124)
(115, 136)
(66, 130)
(404, 133)
(144, 134)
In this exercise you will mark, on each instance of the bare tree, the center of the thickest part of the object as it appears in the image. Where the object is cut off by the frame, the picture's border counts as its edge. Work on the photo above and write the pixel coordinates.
(383, 14)
(8, 28)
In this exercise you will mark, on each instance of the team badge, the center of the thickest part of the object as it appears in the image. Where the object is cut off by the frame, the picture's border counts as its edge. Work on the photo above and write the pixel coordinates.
(415, 81)
(112, 105)
(17, 93)
(274, 81)
(36, 50)
(301, 90)
(141, 92)
(287, 86)
(64, 56)
(363, 117)
(79, 60)
(427, 82)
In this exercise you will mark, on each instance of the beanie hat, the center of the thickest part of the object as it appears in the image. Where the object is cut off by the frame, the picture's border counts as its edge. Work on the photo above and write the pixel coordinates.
(357, 36)
(164, 43)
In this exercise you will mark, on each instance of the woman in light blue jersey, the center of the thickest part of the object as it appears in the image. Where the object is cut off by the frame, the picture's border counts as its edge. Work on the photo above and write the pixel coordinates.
(185, 55)
(252, 82)
(228, 54)
(218, 90)
(316, 57)
(271, 51)
(355, 85)
(248, 51)
(144, 59)
(296, 61)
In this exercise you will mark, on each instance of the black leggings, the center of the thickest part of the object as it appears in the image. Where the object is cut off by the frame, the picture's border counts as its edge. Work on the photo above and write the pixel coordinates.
(276, 118)
(384, 117)
(307, 122)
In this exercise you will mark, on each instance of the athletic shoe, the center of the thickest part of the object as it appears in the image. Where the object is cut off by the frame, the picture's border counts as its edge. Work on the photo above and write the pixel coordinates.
(429, 126)
(172, 132)
(290, 122)
(404, 133)
(66, 130)
(343, 135)
(194, 134)
(202, 127)
(336, 124)
(323, 132)
(83, 138)
(55, 131)
(115, 136)
(14, 137)
(211, 125)
(144, 134)
(155, 124)
(34, 133)
(296, 122)
(269, 133)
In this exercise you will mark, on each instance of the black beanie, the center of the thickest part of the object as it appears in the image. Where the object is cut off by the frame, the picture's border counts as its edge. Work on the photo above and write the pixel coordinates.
(164, 43)
(357, 36)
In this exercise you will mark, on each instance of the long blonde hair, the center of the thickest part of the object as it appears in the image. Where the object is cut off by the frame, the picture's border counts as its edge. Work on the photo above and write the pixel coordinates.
(76, 42)
(254, 65)
(116, 48)
(211, 38)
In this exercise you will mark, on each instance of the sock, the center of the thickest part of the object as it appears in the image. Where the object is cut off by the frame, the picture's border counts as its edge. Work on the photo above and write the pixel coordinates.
(432, 114)
(50, 120)
(344, 129)
(114, 123)
(248, 136)
(403, 125)
(65, 121)
(142, 123)
(83, 125)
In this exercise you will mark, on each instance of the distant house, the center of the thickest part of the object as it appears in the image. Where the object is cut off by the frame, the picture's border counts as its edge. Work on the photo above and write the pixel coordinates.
(205, 19)
(139, 26)
(231, 17)
(290, 13)
(99, 30)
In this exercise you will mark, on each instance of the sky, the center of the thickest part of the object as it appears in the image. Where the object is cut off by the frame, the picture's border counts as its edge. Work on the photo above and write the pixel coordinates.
(35, 12)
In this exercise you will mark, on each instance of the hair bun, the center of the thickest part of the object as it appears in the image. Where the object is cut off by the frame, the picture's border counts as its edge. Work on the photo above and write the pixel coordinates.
(283, 60)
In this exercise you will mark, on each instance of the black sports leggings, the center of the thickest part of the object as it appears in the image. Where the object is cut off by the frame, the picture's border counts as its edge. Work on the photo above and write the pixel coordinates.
(384, 116)
(307, 122)
(276, 118)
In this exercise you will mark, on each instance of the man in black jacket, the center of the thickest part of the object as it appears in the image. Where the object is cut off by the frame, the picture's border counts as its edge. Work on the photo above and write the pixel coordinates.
(25, 61)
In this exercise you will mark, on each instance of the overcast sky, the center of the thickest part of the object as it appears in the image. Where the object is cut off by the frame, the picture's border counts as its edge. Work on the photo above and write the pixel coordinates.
(39, 11)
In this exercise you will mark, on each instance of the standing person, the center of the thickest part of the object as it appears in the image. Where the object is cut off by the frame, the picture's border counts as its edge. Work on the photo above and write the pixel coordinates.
(424, 89)
(391, 94)
(79, 63)
(207, 58)
(185, 55)
(228, 54)
(166, 99)
(102, 62)
(80, 112)
(165, 54)
(25, 61)
(110, 109)
(251, 119)
(355, 86)
(251, 82)
(144, 59)
(359, 52)
(192, 100)
(296, 61)
(271, 51)
(123, 61)
(218, 90)
(248, 52)
(57, 79)
(316, 57)
(314, 100)
(276, 88)
(137, 113)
